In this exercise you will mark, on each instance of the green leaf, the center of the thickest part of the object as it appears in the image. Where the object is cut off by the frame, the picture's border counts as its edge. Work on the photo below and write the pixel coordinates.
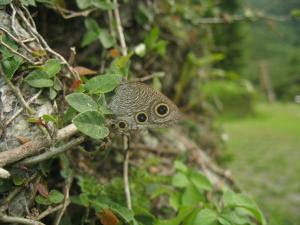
(152, 37)
(91, 123)
(6, 53)
(52, 67)
(224, 221)
(103, 202)
(50, 118)
(232, 199)
(52, 93)
(180, 180)
(92, 34)
(28, 2)
(81, 102)
(184, 212)
(200, 181)
(42, 200)
(84, 199)
(84, 4)
(179, 165)
(69, 114)
(103, 83)
(55, 196)
(206, 217)
(105, 38)
(191, 196)
(18, 180)
(5, 2)
(11, 65)
(90, 185)
(89, 38)
(103, 4)
(121, 62)
(232, 217)
(39, 79)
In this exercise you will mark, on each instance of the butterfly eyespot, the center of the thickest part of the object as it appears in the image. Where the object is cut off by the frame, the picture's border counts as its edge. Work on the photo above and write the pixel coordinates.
(122, 125)
(162, 110)
(113, 126)
(141, 117)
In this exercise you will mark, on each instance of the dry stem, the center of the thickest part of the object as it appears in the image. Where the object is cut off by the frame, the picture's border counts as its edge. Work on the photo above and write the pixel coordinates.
(33, 147)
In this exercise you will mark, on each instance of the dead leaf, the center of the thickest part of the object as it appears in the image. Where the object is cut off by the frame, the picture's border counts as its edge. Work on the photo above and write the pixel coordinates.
(83, 71)
(114, 53)
(23, 140)
(107, 217)
(75, 85)
(42, 190)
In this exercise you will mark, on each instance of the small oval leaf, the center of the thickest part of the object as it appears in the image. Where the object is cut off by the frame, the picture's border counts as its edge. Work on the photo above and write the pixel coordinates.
(91, 123)
(39, 79)
(103, 83)
(81, 102)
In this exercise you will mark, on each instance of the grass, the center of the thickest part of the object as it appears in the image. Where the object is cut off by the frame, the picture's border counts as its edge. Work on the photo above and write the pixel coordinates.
(265, 152)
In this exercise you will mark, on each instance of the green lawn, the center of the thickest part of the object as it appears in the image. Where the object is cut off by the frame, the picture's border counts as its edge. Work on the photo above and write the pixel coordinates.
(266, 159)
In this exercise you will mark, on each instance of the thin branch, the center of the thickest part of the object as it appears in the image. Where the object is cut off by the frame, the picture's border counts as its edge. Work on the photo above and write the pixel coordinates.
(49, 211)
(20, 42)
(52, 152)
(120, 29)
(17, 53)
(111, 22)
(16, 91)
(148, 77)
(66, 201)
(19, 95)
(125, 137)
(21, 109)
(69, 14)
(39, 37)
(125, 171)
(19, 220)
(33, 147)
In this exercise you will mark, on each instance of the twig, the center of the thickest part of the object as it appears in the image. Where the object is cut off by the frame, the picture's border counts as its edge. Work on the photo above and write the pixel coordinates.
(125, 171)
(39, 37)
(125, 137)
(149, 77)
(16, 91)
(22, 100)
(52, 152)
(21, 42)
(33, 147)
(120, 29)
(69, 14)
(17, 53)
(49, 211)
(66, 201)
(21, 109)
(110, 20)
(19, 220)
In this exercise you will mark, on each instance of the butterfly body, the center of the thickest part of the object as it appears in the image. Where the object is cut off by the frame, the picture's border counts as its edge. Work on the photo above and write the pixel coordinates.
(136, 105)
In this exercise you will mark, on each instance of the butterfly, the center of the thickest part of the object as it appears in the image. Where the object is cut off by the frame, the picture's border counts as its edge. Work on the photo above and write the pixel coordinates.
(136, 105)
